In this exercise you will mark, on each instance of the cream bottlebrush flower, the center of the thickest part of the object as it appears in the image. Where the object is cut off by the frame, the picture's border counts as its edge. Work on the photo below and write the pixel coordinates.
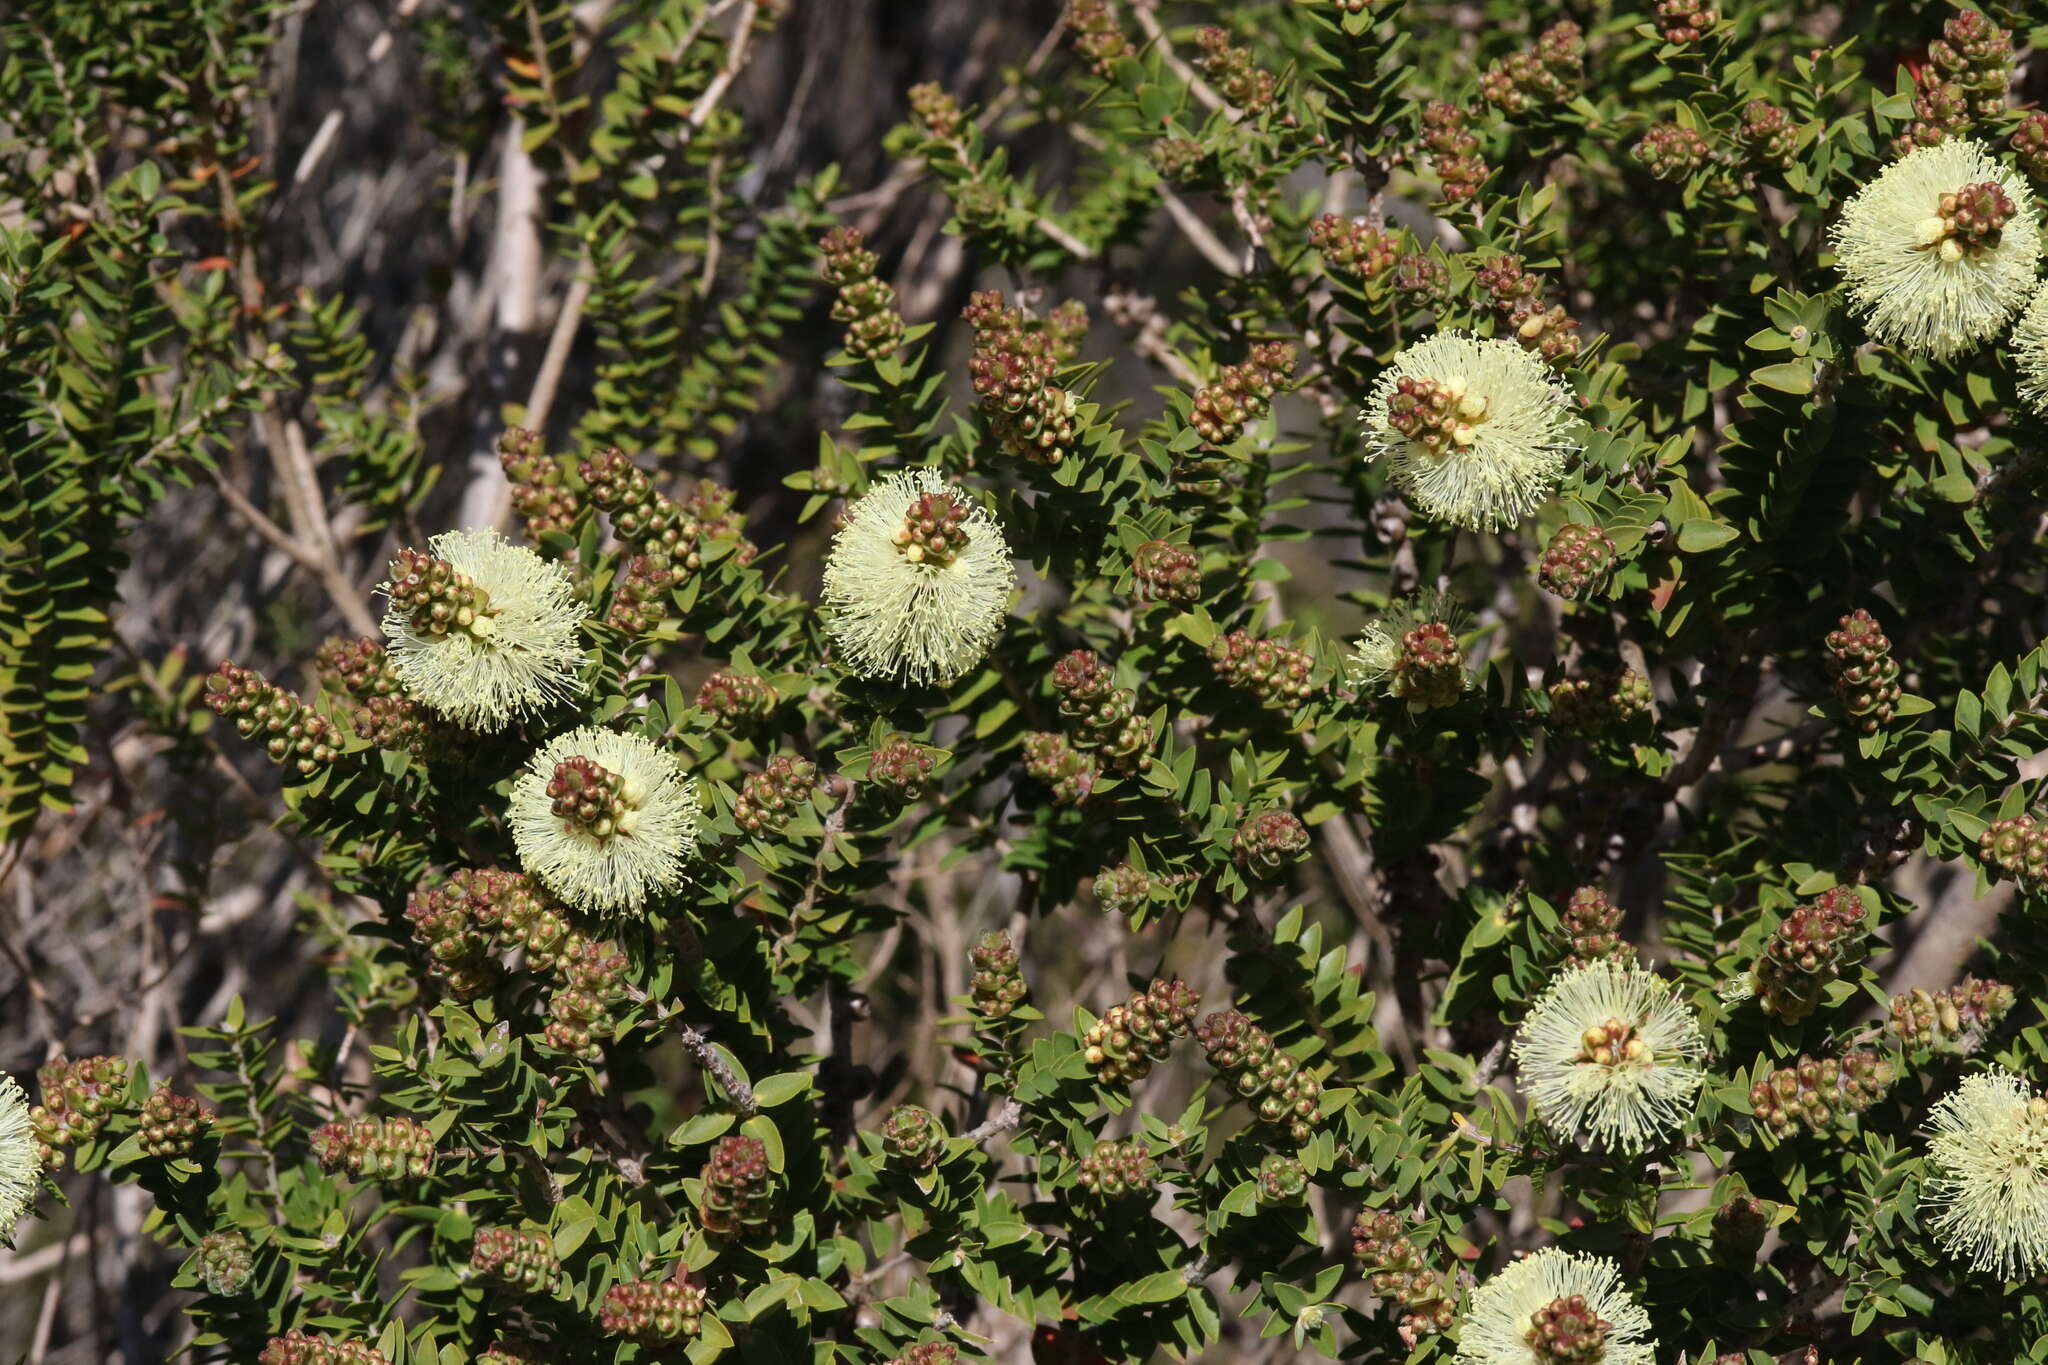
(2030, 351)
(1610, 1053)
(1475, 431)
(604, 820)
(1385, 645)
(20, 1166)
(1940, 249)
(1555, 1305)
(482, 630)
(1986, 1192)
(919, 580)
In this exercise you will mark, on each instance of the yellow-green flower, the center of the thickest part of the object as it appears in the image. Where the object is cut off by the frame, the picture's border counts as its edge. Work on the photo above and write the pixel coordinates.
(1940, 249)
(1475, 431)
(919, 580)
(1555, 1305)
(1608, 1053)
(604, 820)
(21, 1167)
(2030, 351)
(1986, 1191)
(482, 630)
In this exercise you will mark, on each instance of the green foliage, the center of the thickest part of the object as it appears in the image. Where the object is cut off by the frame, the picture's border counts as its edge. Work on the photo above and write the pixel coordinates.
(737, 1124)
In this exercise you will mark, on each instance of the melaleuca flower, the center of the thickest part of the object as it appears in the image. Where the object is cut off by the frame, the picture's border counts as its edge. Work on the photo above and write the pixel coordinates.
(1940, 249)
(1986, 1191)
(20, 1167)
(2030, 351)
(604, 820)
(1410, 651)
(1476, 431)
(482, 630)
(919, 580)
(1555, 1305)
(1609, 1053)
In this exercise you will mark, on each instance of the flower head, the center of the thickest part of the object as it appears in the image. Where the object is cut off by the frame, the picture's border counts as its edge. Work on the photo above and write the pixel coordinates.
(1609, 1053)
(20, 1167)
(919, 580)
(1940, 249)
(1410, 651)
(2030, 351)
(1476, 431)
(1986, 1191)
(482, 630)
(1553, 1307)
(604, 820)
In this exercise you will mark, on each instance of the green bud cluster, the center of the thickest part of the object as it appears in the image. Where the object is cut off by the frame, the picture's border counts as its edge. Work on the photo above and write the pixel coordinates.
(1130, 1039)
(866, 304)
(515, 1353)
(642, 515)
(1098, 39)
(1454, 151)
(741, 700)
(1865, 675)
(652, 1312)
(1242, 393)
(1114, 1171)
(902, 770)
(770, 797)
(1767, 134)
(1122, 889)
(516, 1257)
(223, 1262)
(1977, 55)
(1011, 369)
(78, 1097)
(589, 981)
(292, 733)
(1272, 670)
(997, 986)
(1165, 572)
(1738, 1231)
(171, 1124)
(928, 1353)
(438, 598)
(374, 1148)
(1671, 151)
(936, 112)
(2030, 145)
(459, 949)
(1284, 1095)
(541, 495)
(1282, 1181)
(738, 1196)
(1266, 844)
(1814, 1094)
(1354, 246)
(1429, 670)
(1588, 707)
(298, 1348)
(913, 1137)
(1517, 295)
(1576, 561)
(1954, 1020)
(640, 593)
(1537, 77)
(1566, 1331)
(1807, 951)
(2018, 847)
(1052, 758)
(1684, 21)
(1102, 716)
(1396, 1271)
(1233, 72)
(1590, 925)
